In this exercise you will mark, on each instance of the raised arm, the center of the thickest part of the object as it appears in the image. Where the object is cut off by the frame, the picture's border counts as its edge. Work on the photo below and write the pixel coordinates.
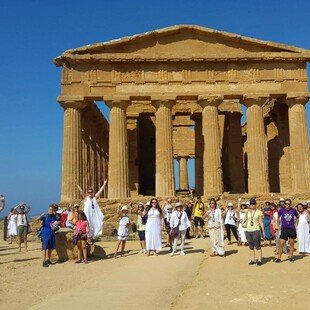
(101, 188)
(2, 202)
(28, 209)
(80, 190)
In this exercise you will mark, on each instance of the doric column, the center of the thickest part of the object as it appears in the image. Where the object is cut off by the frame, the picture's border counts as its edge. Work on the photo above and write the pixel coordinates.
(118, 186)
(197, 117)
(72, 150)
(256, 146)
(299, 144)
(164, 177)
(183, 173)
(213, 174)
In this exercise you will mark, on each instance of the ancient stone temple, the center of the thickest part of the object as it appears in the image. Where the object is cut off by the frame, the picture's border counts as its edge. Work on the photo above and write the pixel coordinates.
(180, 93)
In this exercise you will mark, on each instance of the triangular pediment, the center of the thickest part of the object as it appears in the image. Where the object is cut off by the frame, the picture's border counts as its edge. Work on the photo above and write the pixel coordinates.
(185, 41)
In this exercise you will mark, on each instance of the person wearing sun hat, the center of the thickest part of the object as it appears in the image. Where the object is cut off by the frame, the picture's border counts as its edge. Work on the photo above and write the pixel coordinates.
(123, 229)
(179, 219)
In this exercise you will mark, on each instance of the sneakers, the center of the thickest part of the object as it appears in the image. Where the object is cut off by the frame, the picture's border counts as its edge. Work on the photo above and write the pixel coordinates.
(182, 253)
(141, 251)
(144, 251)
(196, 237)
(251, 263)
(202, 237)
(77, 261)
(85, 261)
(278, 260)
(45, 264)
(259, 263)
(172, 253)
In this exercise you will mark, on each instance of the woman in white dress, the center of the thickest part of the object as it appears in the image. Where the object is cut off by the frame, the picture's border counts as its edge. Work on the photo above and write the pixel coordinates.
(93, 212)
(241, 218)
(153, 227)
(303, 234)
(12, 226)
(215, 228)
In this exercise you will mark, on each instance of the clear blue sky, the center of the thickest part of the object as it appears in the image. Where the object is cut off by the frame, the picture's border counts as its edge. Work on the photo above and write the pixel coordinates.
(33, 32)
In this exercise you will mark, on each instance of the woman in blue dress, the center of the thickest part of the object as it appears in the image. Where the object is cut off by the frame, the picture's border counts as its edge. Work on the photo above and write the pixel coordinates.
(49, 223)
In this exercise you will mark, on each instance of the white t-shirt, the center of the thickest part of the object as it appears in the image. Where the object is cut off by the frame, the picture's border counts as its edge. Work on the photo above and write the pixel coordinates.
(22, 220)
(230, 216)
(214, 216)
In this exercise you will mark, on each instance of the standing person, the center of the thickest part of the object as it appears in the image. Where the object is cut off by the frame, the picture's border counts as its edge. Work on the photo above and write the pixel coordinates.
(81, 231)
(153, 227)
(2, 202)
(22, 224)
(303, 234)
(230, 220)
(273, 208)
(277, 228)
(241, 218)
(254, 225)
(167, 210)
(199, 211)
(123, 230)
(12, 226)
(141, 227)
(93, 212)
(289, 220)
(73, 217)
(188, 210)
(48, 235)
(215, 228)
(179, 219)
(267, 224)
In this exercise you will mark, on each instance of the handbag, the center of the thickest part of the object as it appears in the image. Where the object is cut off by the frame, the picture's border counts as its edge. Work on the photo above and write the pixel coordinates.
(175, 231)
(29, 230)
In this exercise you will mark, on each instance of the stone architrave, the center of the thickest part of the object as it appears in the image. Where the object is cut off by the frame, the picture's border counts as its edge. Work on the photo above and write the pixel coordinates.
(164, 176)
(299, 144)
(72, 150)
(183, 173)
(256, 145)
(118, 150)
(213, 174)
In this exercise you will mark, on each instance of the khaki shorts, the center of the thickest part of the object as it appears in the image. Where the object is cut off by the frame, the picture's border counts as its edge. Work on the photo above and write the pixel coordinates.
(22, 230)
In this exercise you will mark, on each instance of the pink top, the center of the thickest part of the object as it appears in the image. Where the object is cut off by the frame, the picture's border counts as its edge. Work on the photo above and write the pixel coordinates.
(80, 227)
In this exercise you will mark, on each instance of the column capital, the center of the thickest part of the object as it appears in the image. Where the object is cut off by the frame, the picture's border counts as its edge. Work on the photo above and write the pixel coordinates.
(290, 101)
(257, 99)
(215, 100)
(122, 104)
(158, 103)
(78, 105)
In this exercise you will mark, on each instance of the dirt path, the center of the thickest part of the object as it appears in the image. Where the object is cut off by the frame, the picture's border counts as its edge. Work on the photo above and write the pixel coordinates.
(193, 281)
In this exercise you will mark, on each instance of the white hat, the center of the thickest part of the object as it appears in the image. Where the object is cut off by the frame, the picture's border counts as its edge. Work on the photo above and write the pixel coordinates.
(140, 203)
(148, 203)
(169, 207)
(178, 204)
(230, 204)
(282, 199)
(247, 203)
(124, 208)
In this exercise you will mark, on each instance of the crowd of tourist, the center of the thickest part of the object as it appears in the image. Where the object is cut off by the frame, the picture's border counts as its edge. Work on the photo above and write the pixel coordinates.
(276, 224)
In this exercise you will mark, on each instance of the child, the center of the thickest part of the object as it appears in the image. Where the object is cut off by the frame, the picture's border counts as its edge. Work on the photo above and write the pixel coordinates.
(48, 235)
(81, 230)
(12, 226)
(123, 230)
(141, 227)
